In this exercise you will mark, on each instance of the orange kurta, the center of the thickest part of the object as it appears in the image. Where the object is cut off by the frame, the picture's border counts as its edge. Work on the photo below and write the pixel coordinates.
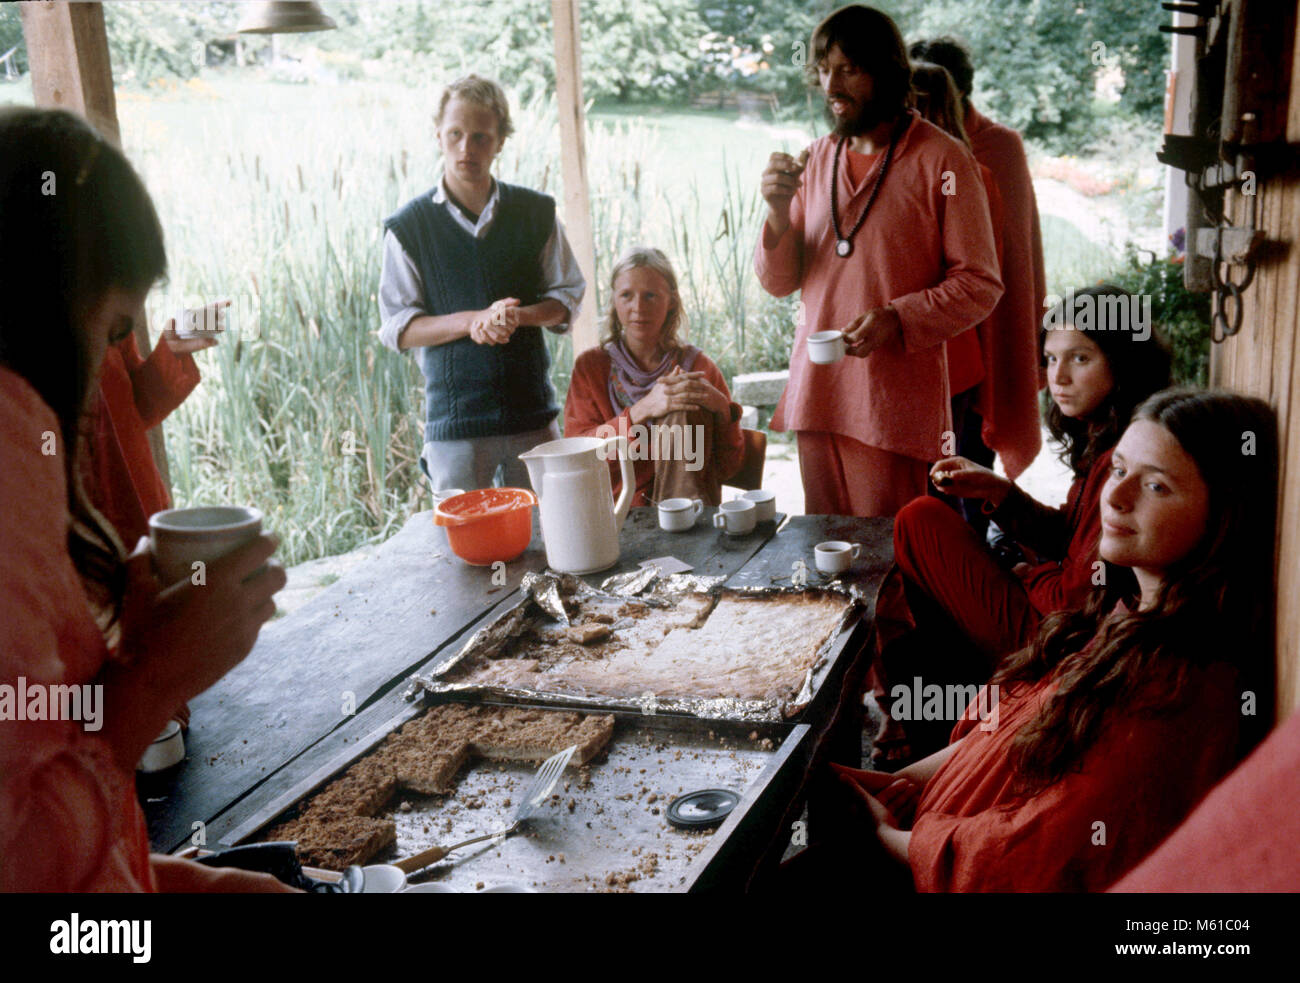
(69, 820)
(930, 255)
(588, 408)
(1007, 398)
(965, 355)
(135, 394)
(1139, 780)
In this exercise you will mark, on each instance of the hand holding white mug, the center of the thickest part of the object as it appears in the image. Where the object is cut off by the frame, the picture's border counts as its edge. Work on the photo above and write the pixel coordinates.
(179, 639)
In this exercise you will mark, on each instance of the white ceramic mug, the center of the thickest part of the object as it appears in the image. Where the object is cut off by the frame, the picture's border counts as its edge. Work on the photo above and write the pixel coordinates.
(679, 514)
(167, 749)
(383, 879)
(826, 347)
(764, 504)
(182, 537)
(835, 556)
(736, 517)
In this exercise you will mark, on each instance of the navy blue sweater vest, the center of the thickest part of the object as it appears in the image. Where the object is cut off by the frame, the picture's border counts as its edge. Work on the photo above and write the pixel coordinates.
(473, 390)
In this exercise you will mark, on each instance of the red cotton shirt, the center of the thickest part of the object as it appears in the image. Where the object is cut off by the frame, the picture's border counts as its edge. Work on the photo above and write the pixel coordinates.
(1007, 397)
(932, 256)
(135, 394)
(1143, 775)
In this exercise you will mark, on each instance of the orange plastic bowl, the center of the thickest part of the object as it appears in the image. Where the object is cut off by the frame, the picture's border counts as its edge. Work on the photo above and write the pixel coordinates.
(488, 524)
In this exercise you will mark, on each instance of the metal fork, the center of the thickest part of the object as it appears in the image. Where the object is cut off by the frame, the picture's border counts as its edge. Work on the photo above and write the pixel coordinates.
(543, 783)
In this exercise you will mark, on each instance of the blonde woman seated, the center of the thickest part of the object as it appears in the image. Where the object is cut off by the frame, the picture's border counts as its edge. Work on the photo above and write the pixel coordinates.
(668, 398)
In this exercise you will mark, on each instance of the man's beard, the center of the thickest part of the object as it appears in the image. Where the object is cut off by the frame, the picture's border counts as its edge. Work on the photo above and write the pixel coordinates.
(870, 115)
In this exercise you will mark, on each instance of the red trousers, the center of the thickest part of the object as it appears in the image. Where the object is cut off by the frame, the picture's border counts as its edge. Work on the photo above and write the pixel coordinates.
(842, 476)
(939, 553)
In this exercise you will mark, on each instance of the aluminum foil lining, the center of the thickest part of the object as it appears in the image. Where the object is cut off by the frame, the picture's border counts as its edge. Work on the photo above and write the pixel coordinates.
(547, 591)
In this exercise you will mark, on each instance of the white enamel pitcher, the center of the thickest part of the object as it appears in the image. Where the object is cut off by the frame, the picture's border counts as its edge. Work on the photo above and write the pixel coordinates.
(580, 519)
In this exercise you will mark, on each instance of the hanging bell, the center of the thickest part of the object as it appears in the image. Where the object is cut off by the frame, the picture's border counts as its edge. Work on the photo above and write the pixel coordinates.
(283, 18)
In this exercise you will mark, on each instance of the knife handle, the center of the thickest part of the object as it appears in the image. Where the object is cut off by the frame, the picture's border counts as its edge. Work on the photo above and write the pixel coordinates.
(421, 860)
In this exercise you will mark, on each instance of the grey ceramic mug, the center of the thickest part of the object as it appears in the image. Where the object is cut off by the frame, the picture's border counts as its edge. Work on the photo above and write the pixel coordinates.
(183, 537)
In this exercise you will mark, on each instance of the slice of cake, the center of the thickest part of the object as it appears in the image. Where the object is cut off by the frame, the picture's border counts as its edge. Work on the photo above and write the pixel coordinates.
(363, 790)
(426, 771)
(520, 734)
(337, 843)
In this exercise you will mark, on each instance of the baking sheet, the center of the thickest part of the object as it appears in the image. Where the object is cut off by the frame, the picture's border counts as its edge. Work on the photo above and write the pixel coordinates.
(605, 829)
(543, 596)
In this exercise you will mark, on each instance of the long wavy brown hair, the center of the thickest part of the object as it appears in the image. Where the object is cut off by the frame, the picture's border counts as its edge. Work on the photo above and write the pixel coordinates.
(1215, 605)
(77, 222)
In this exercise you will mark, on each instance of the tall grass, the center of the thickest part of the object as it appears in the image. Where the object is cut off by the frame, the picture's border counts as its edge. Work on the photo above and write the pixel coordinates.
(276, 194)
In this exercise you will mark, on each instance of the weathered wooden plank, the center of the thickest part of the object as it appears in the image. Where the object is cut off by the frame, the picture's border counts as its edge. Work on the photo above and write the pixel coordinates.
(1262, 361)
(359, 637)
(67, 48)
(794, 543)
(573, 158)
(711, 552)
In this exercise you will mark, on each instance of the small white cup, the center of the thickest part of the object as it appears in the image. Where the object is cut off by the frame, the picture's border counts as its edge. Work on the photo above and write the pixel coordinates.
(764, 504)
(383, 879)
(679, 514)
(835, 556)
(200, 322)
(826, 347)
(183, 537)
(737, 517)
(167, 749)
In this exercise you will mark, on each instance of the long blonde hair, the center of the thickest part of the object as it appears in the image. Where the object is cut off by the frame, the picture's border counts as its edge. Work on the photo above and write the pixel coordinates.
(653, 258)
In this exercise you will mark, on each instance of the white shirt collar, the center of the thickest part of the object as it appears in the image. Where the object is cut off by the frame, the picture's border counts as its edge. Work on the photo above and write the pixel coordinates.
(479, 229)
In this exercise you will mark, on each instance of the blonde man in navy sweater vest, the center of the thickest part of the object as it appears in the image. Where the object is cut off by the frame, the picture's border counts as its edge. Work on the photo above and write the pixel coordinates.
(473, 270)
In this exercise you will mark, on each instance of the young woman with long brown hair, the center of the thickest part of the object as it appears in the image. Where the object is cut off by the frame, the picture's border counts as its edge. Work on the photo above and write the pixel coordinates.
(1124, 713)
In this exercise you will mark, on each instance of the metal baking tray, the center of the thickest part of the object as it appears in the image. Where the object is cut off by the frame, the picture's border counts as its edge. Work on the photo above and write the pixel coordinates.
(605, 829)
(542, 597)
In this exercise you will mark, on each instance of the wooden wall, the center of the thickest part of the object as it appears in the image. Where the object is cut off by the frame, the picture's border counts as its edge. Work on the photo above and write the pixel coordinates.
(1262, 360)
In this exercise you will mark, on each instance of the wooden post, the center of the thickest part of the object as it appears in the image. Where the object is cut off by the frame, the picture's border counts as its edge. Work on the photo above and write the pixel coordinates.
(573, 157)
(67, 49)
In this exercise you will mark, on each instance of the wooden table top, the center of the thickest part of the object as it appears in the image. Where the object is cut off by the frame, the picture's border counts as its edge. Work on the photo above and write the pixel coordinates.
(353, 647)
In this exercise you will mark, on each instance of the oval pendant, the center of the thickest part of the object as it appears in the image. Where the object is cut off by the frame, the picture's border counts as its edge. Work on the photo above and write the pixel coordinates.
(843, 248)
